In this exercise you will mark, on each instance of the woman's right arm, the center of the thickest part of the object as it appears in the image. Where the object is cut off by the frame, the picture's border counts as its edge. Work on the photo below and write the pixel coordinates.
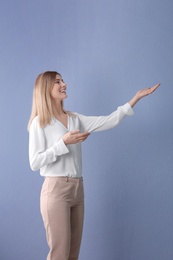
(39, 156)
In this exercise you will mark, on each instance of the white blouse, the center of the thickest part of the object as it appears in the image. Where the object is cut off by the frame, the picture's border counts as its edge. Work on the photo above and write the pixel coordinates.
(48, 152)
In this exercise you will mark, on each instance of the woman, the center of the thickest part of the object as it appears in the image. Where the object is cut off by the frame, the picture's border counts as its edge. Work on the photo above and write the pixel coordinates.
(55, 137)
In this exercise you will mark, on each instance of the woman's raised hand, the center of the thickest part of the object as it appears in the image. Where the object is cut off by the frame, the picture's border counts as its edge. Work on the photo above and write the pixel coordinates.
(142, 93)
(75, 137)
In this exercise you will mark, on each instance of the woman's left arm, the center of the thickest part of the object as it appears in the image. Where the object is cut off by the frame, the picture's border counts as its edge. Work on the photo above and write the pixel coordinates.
(101, 123)
(142, 93)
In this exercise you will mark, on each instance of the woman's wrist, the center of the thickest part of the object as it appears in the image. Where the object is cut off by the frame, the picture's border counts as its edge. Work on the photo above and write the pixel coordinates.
(65, 141)
(133, 101)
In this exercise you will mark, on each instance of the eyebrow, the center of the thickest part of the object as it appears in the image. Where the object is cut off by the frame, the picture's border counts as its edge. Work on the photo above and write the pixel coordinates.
(58, 79)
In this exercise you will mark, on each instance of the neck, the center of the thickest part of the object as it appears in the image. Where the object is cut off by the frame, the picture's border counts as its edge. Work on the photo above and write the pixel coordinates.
(57, 108)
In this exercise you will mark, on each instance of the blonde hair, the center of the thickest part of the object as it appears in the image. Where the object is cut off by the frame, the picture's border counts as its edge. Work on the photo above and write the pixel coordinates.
(42, 103)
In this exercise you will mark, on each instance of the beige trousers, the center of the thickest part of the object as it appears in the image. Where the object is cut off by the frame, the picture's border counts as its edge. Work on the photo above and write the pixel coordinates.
(62, 209)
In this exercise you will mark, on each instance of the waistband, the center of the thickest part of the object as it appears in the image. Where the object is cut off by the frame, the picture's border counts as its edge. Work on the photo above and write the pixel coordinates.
(66, 178)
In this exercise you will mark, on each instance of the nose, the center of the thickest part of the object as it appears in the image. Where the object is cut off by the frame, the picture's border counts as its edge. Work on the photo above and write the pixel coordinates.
(64, 84)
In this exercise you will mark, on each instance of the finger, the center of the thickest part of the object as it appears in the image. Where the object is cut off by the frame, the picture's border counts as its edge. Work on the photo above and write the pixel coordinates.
(152, 89)
(75, 132)
(82, 139)
(80, 135)
(86, 133)
(155, 87)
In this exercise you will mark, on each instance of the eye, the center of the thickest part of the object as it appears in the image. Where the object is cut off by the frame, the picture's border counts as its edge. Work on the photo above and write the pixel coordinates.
(57, 81)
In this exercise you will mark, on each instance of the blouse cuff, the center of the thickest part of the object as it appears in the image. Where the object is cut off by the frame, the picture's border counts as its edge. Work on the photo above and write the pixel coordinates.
(60, 148)
(128, 110)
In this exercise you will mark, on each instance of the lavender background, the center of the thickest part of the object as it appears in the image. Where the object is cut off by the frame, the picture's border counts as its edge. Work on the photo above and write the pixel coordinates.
(106, 50)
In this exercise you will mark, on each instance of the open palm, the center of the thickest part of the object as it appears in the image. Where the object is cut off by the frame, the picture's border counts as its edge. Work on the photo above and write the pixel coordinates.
(147, 91)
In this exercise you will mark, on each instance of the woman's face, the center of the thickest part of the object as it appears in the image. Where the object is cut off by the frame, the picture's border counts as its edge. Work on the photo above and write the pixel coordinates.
(59, 89)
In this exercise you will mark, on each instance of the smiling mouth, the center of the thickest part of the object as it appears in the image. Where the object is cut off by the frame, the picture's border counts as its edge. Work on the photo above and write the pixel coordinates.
(62, 91)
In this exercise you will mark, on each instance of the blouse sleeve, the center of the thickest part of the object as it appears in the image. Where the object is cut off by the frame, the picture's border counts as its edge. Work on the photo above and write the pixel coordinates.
(39, 155)
(101, 123)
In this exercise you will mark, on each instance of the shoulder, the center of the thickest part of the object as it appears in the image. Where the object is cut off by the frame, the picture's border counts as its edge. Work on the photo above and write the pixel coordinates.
(75, 116)
(71, 114)
(35, 121)
(35, 124)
